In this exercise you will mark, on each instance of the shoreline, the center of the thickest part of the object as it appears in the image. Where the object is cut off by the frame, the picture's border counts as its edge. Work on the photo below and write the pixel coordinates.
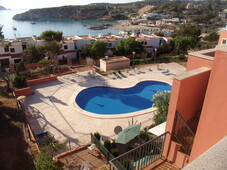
(125, 25)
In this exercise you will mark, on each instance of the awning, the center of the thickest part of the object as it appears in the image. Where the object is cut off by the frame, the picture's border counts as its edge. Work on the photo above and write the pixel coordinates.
(128, 134)
(158, 130)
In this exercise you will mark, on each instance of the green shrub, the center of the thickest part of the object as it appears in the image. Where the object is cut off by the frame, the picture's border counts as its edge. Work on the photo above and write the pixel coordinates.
(97, 135)
(161, 102)
(115, 152)
(45, 162)
(129, 148)
(126, 163)
(20, 67)
(144, 136)
(182, 57)
(107, 144)
(19, 81)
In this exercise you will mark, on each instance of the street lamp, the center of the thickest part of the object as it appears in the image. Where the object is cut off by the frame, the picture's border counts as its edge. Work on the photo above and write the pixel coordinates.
(155, 56)
(133, 57)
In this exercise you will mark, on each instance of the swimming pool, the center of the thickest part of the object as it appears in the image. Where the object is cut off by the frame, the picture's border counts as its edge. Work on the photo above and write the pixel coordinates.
(108, 101)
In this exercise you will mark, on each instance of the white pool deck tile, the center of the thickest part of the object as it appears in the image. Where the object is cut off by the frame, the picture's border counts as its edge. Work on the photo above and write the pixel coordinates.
(55, 110)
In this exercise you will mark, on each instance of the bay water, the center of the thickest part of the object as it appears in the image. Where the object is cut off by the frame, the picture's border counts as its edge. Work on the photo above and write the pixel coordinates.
(69, 27)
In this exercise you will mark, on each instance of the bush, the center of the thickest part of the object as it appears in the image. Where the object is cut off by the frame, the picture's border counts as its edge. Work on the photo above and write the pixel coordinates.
(161, 102)
(144, 136)
(129, 148)
(126, 163)
(45, 161)
(97, 135)
(19, 81)
(20, 67)
(107, 144)
(115, 152)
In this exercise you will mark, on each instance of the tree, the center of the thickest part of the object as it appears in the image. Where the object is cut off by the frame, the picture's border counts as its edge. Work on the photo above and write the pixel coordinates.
(50, 35)
(44, 161)
(1, 33)
(164, 48)
(98, 49)
(213, 36)
(127, 46)
(6, 75)
(51, 48)
(159, 33)
(190, 30)
(184, 43)
(86, 51)
(161, 101)
(32, 54)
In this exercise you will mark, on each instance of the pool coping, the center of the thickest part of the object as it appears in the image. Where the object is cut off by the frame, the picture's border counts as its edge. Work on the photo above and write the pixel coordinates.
(113, 116)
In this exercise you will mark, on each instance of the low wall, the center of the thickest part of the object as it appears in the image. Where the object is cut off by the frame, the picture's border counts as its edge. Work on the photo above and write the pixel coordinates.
(32, 66)
(41, 80)
(23, 92)
(137, 56)
(62, 74)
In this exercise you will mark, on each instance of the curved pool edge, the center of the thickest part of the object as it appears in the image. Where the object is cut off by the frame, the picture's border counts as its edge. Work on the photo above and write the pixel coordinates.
(113, 116)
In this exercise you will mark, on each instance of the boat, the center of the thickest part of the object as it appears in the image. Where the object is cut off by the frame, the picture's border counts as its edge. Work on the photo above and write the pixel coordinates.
(14, 28)
(85, 25)
(33, 23)
(101, 27)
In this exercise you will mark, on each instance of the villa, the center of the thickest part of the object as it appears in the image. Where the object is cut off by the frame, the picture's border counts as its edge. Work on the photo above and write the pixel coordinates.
(11, 51)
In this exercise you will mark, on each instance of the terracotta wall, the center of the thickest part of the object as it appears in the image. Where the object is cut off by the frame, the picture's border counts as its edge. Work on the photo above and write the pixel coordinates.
(223, 34)
(32, 66)
(195, 62)
(213, 120)
(187, 97)
(41, 80)
(23, 92)
(144, 55)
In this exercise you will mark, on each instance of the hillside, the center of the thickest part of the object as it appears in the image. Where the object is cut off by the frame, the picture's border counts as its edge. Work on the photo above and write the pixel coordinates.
(2, 8)
(102, 12)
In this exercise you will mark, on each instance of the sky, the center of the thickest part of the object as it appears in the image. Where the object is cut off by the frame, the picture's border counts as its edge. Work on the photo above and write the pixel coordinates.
(25, 4)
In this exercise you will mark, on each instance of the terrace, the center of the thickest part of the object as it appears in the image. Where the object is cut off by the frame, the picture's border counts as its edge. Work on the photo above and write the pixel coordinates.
(52, 107)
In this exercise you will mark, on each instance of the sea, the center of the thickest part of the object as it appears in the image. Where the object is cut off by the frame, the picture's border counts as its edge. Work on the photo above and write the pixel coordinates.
(69, 27)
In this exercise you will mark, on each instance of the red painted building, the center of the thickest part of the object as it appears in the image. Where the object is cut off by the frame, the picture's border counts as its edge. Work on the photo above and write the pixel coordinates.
(197, 116)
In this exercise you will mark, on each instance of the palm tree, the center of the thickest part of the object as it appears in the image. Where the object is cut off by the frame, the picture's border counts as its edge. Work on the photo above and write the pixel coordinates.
(32, 54)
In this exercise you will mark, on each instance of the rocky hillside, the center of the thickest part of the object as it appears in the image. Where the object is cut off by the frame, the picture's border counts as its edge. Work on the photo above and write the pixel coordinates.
(2, 8)
(105, 12)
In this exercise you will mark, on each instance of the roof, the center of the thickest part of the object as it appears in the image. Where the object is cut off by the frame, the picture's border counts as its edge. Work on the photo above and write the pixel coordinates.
(115, 59)
(106, 39)
(143, 38)
(159, 129)
(168, 38)
(213, 158)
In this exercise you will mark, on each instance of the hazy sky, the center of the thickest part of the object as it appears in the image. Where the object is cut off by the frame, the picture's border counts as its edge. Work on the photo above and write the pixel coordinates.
(12, 4)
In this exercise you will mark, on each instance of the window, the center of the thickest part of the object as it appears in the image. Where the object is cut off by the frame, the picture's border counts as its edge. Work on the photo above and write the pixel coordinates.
(24, 47)
(110, 44)
(65, 47)
(6, 49)
(145, 43)
(16, 61)
(224, 41)
(12, 50)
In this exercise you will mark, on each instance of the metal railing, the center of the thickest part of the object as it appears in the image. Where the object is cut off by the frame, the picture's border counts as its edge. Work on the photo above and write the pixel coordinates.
(102, 148)
(142, 156)
(183, 133)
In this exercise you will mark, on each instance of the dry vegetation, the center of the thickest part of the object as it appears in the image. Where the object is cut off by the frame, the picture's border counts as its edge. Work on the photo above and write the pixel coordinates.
(13, 147)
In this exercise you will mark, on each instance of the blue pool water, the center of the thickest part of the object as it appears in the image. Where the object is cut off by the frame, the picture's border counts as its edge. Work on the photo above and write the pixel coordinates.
(108, 100)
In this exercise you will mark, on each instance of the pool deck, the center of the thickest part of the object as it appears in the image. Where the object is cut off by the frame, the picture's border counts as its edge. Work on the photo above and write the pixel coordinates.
(52, 107)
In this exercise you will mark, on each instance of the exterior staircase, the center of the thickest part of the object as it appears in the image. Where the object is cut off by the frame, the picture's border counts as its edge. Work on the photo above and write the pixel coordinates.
(162, 165)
